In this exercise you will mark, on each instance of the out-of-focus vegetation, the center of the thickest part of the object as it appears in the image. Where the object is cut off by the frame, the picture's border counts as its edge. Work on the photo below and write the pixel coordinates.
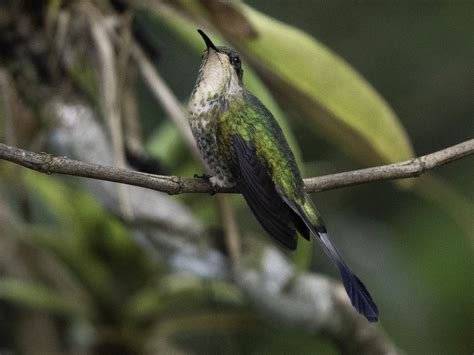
(90, 267)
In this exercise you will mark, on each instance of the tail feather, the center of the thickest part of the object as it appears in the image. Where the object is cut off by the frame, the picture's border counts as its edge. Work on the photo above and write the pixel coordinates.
(356, 290)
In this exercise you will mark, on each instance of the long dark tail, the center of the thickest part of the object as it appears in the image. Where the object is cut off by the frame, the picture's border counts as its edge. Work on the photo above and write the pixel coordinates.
(357, 292)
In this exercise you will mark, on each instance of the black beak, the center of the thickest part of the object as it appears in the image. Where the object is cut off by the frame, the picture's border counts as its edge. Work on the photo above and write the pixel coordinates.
(208, 41)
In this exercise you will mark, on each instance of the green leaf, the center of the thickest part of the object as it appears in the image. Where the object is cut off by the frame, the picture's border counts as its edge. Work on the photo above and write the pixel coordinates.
(33, 295)
(55, 197)
(166, 143)
(336, 102)
(90, 242)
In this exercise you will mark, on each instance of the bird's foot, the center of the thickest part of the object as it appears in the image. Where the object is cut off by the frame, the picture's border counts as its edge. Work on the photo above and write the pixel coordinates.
(216, 181)
(221, 181)
(203, 176)
(210, 179)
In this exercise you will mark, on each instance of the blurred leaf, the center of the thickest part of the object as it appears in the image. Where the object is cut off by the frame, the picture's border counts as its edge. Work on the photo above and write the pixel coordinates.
(302, 255)
(178, 292)
(218, 322)
(335, 101)
(69, 209)
(221, 291)
(56, 198)
(441, 194)
(144, 305)
(83, 75)
(291, 341)
(167, 144)
(91, 243)
(33, 295)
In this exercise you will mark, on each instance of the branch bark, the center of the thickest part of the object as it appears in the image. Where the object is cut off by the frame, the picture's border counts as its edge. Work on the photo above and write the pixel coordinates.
(49, 164)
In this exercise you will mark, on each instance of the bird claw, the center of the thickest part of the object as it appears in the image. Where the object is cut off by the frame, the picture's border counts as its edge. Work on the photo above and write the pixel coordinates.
(208, 179)
(203, 176)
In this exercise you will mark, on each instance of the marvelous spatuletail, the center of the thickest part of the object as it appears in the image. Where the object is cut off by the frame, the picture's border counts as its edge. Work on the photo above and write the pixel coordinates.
(243, 145)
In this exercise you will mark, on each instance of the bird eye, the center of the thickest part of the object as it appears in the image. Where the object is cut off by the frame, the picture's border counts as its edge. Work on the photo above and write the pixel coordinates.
(235, 60)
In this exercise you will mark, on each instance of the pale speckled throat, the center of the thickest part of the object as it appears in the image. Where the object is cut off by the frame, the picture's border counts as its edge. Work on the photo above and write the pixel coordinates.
(217, 82)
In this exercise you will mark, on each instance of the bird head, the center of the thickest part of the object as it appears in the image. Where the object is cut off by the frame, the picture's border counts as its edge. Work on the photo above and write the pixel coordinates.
(221, 72)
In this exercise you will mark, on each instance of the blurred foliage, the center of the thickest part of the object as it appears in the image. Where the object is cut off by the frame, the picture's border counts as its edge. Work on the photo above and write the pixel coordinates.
(336, 101)
(71, 261)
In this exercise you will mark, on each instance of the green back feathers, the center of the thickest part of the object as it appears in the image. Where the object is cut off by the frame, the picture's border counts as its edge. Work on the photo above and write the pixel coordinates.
(247, 117)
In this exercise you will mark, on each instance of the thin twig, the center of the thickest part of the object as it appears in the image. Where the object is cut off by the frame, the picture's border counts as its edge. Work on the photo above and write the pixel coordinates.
(9, 131)
(109, 89)
(407, 169)
(49, 164)
(130, 115)
(231, 229)
(166, 97)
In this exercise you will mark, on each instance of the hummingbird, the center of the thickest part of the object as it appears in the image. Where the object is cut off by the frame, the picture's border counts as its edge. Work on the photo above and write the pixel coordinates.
(244, 146)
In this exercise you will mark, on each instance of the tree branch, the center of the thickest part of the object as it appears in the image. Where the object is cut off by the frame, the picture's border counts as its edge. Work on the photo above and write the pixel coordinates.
(49, 164)
(410, 168)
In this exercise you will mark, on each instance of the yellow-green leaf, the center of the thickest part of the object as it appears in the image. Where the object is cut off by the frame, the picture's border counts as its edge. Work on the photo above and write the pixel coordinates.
(187, 30)
(335, 101)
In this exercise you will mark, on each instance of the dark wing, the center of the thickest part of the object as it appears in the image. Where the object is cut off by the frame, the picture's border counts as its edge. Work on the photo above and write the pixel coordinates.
(256, 185)
(281, 217)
